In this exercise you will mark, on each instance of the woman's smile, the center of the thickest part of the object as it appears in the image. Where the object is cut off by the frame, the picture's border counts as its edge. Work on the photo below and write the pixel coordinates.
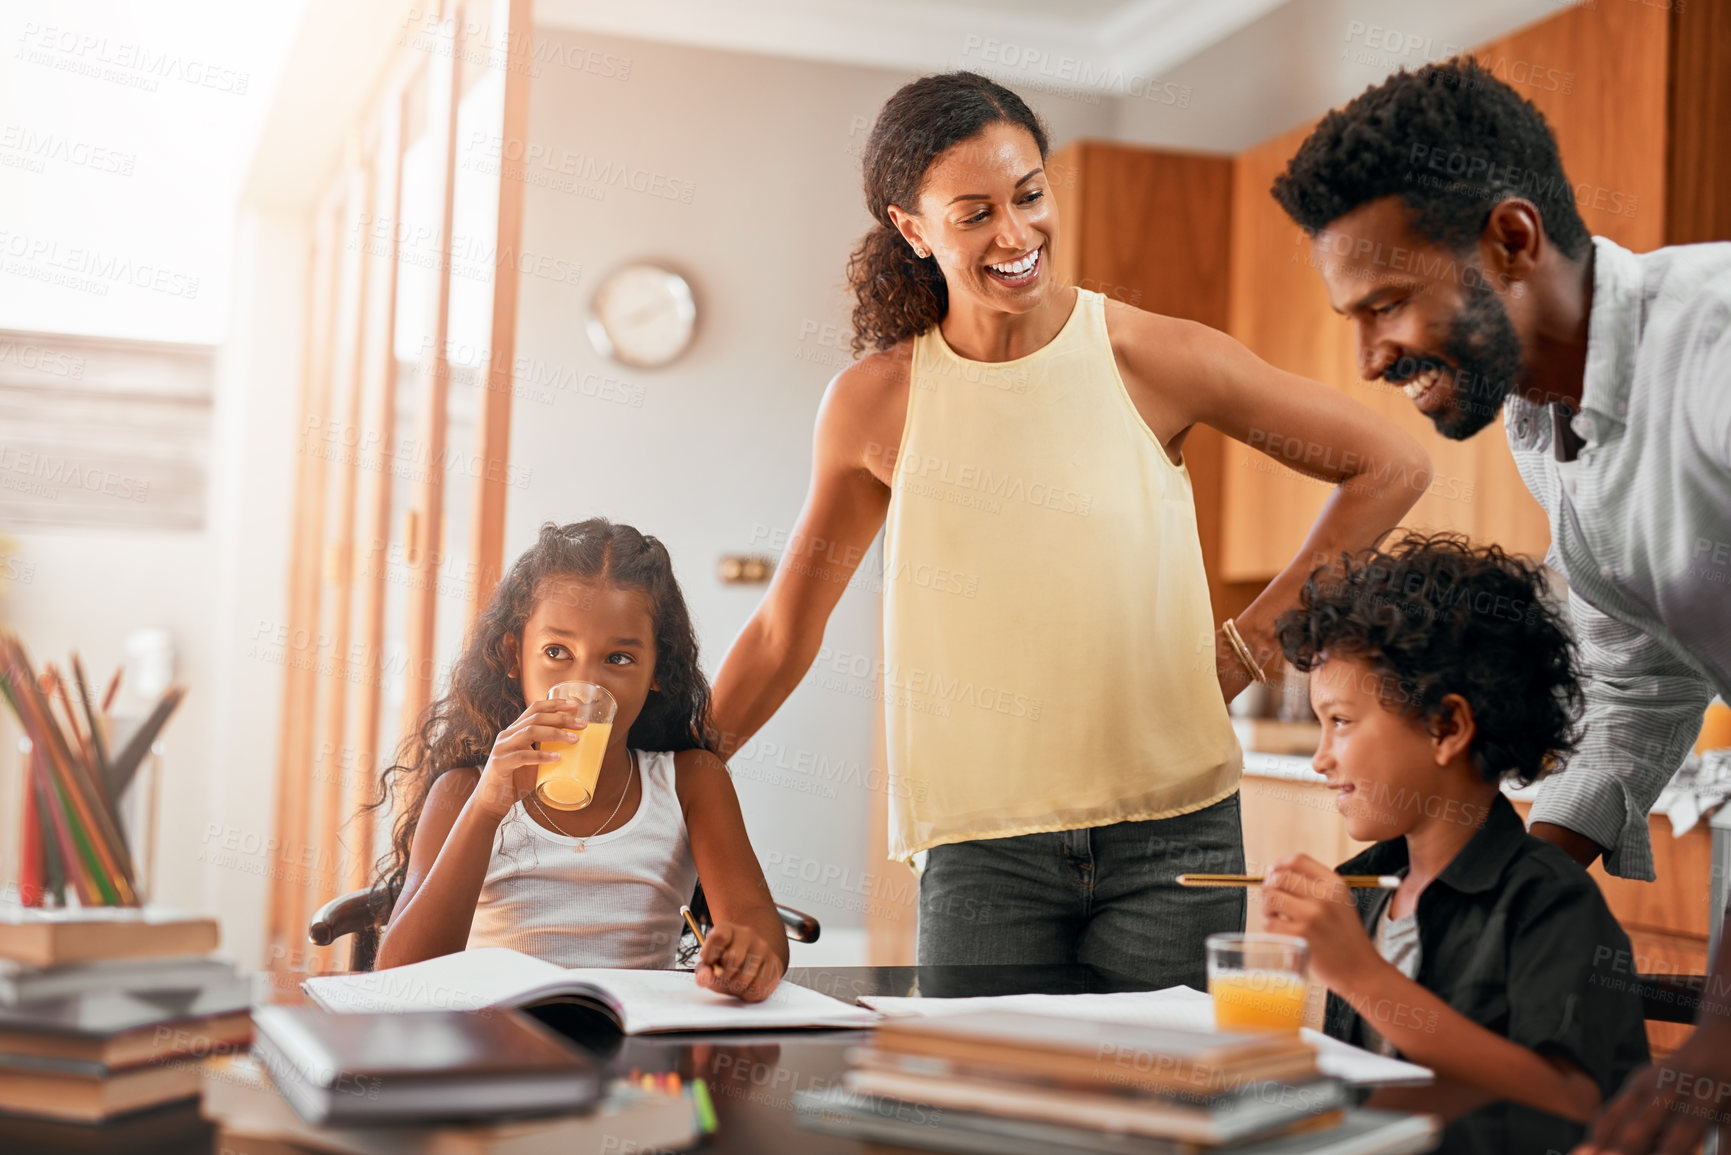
(1018, 271)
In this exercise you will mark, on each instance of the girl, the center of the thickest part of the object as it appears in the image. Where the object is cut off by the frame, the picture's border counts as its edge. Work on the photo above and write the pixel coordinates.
(477, 861)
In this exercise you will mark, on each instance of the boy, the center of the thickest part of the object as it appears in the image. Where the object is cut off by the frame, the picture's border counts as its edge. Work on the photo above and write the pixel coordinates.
(1437, 672)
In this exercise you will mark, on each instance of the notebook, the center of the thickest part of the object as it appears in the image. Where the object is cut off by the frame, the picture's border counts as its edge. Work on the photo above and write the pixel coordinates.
(52, 937)
(1182, 1007)
(420, 1066)
(1259, 1110)
(20, 983)
(1133, 1056)
(639, 1001)
(250, 1115)
(839, 1111)
(92, 1098)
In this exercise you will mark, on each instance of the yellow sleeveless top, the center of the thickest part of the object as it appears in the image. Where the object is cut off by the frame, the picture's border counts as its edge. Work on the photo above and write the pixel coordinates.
(1048, 639)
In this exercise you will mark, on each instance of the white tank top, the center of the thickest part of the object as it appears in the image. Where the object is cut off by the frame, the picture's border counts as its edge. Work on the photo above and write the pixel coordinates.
(615, 903)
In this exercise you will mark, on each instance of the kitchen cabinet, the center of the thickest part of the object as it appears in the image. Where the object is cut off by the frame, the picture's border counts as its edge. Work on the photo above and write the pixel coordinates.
(1598, 74)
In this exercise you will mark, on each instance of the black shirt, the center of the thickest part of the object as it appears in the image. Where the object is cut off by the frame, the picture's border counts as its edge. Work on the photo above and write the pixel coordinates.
(1514, 935)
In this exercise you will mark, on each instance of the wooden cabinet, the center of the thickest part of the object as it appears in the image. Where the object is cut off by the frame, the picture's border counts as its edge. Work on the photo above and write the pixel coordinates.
(1283, 817)
(1597, 74)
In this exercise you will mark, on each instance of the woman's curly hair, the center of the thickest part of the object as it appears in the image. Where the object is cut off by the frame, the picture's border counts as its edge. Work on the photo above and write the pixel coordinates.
(1437, 616)
(898, 294)
(458, 730)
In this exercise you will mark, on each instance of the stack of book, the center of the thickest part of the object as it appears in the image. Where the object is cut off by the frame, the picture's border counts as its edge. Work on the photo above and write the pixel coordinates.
(108, 1011)
(1009, 1082)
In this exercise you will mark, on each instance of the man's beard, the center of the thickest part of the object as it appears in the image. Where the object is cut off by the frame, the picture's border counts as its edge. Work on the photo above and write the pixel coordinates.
(1486, 357)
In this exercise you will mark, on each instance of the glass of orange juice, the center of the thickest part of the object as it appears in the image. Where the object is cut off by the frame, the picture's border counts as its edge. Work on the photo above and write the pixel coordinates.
(1258, 981)
(569, 784)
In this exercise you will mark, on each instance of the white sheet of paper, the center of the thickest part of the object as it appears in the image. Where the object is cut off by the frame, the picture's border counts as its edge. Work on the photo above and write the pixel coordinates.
(649, 1000)
(1183, 1007)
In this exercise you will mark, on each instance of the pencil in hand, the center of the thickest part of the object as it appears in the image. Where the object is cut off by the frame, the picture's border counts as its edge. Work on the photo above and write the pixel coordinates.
(685, 912)
(1358, 881)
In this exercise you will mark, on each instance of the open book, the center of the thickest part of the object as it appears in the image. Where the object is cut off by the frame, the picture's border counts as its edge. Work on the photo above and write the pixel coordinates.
(640, 1001)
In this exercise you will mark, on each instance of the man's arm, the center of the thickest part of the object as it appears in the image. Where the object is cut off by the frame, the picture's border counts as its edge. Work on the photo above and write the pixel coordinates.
(1643, 711)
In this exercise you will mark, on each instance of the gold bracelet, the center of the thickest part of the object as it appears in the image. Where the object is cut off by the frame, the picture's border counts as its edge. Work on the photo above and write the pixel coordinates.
(1243, 651)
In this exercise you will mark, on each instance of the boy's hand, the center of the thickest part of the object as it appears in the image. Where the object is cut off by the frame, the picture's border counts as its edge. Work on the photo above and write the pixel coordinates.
(514, 764)
(1301, 896)
(749, 970)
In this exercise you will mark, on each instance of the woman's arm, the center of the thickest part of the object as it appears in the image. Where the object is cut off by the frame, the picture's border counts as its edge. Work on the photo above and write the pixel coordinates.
(852, 447)
(1181, 373)
(747, 940)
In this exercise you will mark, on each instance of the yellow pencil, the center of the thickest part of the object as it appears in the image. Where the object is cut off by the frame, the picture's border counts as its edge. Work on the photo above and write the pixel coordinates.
(696, 930)
(1362, 881)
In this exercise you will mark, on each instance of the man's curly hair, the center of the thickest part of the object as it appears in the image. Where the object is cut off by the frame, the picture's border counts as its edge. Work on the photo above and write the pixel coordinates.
(1435, 616)
(1452, 141)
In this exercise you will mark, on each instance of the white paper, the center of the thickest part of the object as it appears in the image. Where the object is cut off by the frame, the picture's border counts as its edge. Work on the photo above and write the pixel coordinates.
(1180, 1007)
(646, 1000)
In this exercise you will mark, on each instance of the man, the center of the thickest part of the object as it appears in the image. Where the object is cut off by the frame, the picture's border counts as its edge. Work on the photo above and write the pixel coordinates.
(1446, 230)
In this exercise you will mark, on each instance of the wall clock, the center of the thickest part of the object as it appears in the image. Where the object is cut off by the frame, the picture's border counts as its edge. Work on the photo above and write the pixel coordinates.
(642, 315)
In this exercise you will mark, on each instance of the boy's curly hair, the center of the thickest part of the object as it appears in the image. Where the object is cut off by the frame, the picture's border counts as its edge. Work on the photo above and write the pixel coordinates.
(1436, 616)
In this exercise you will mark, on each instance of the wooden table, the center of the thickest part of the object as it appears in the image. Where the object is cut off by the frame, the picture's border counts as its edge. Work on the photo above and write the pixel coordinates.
(754, 1076)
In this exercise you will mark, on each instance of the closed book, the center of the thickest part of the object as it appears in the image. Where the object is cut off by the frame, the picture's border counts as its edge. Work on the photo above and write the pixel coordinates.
(110, 1012)
(1257, 1109)
(1155, 1059)
(123, 1045)
(22, 983)
(372, 1068)
(91, 1098)
(46, 938)
(170, 1129)
(626, 1119)
(839, 1111)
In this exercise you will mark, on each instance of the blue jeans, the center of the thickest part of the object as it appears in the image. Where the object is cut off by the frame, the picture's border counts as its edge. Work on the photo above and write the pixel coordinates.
(1103, 895)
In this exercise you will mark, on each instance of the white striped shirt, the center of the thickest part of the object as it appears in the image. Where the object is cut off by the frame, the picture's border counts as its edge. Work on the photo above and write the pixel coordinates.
(1643, 533)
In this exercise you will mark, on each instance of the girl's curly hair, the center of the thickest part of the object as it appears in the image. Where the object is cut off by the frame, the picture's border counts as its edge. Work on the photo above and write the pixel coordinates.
(1437, 616)
(458, 730)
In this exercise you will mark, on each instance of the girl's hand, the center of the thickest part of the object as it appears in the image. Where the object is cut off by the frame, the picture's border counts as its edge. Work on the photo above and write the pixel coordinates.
(511, 768)
(749, 970)
(1301, 896)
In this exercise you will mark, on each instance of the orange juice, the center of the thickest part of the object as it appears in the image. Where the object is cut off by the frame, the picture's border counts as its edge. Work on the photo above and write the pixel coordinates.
(569, 784)
(1256, 1000)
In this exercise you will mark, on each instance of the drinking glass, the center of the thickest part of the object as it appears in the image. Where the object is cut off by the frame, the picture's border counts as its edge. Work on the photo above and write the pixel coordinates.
(1258, 981)
(569, 784)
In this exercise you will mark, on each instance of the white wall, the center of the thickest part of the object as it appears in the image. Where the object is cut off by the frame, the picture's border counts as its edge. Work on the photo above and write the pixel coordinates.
(1302, 59)
(253, 459)
(719, 452)
(210, 590)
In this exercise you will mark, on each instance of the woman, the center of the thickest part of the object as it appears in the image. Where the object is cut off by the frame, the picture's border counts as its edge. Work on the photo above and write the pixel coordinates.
(1058, 739)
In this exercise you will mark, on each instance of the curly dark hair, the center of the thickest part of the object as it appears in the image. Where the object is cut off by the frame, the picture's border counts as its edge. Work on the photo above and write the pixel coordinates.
(1436, 616)
(896, 293)
(1452, 141)
(458, 730)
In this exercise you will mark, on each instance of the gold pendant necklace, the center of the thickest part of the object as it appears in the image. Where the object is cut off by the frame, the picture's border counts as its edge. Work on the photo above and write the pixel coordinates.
(630, 773)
